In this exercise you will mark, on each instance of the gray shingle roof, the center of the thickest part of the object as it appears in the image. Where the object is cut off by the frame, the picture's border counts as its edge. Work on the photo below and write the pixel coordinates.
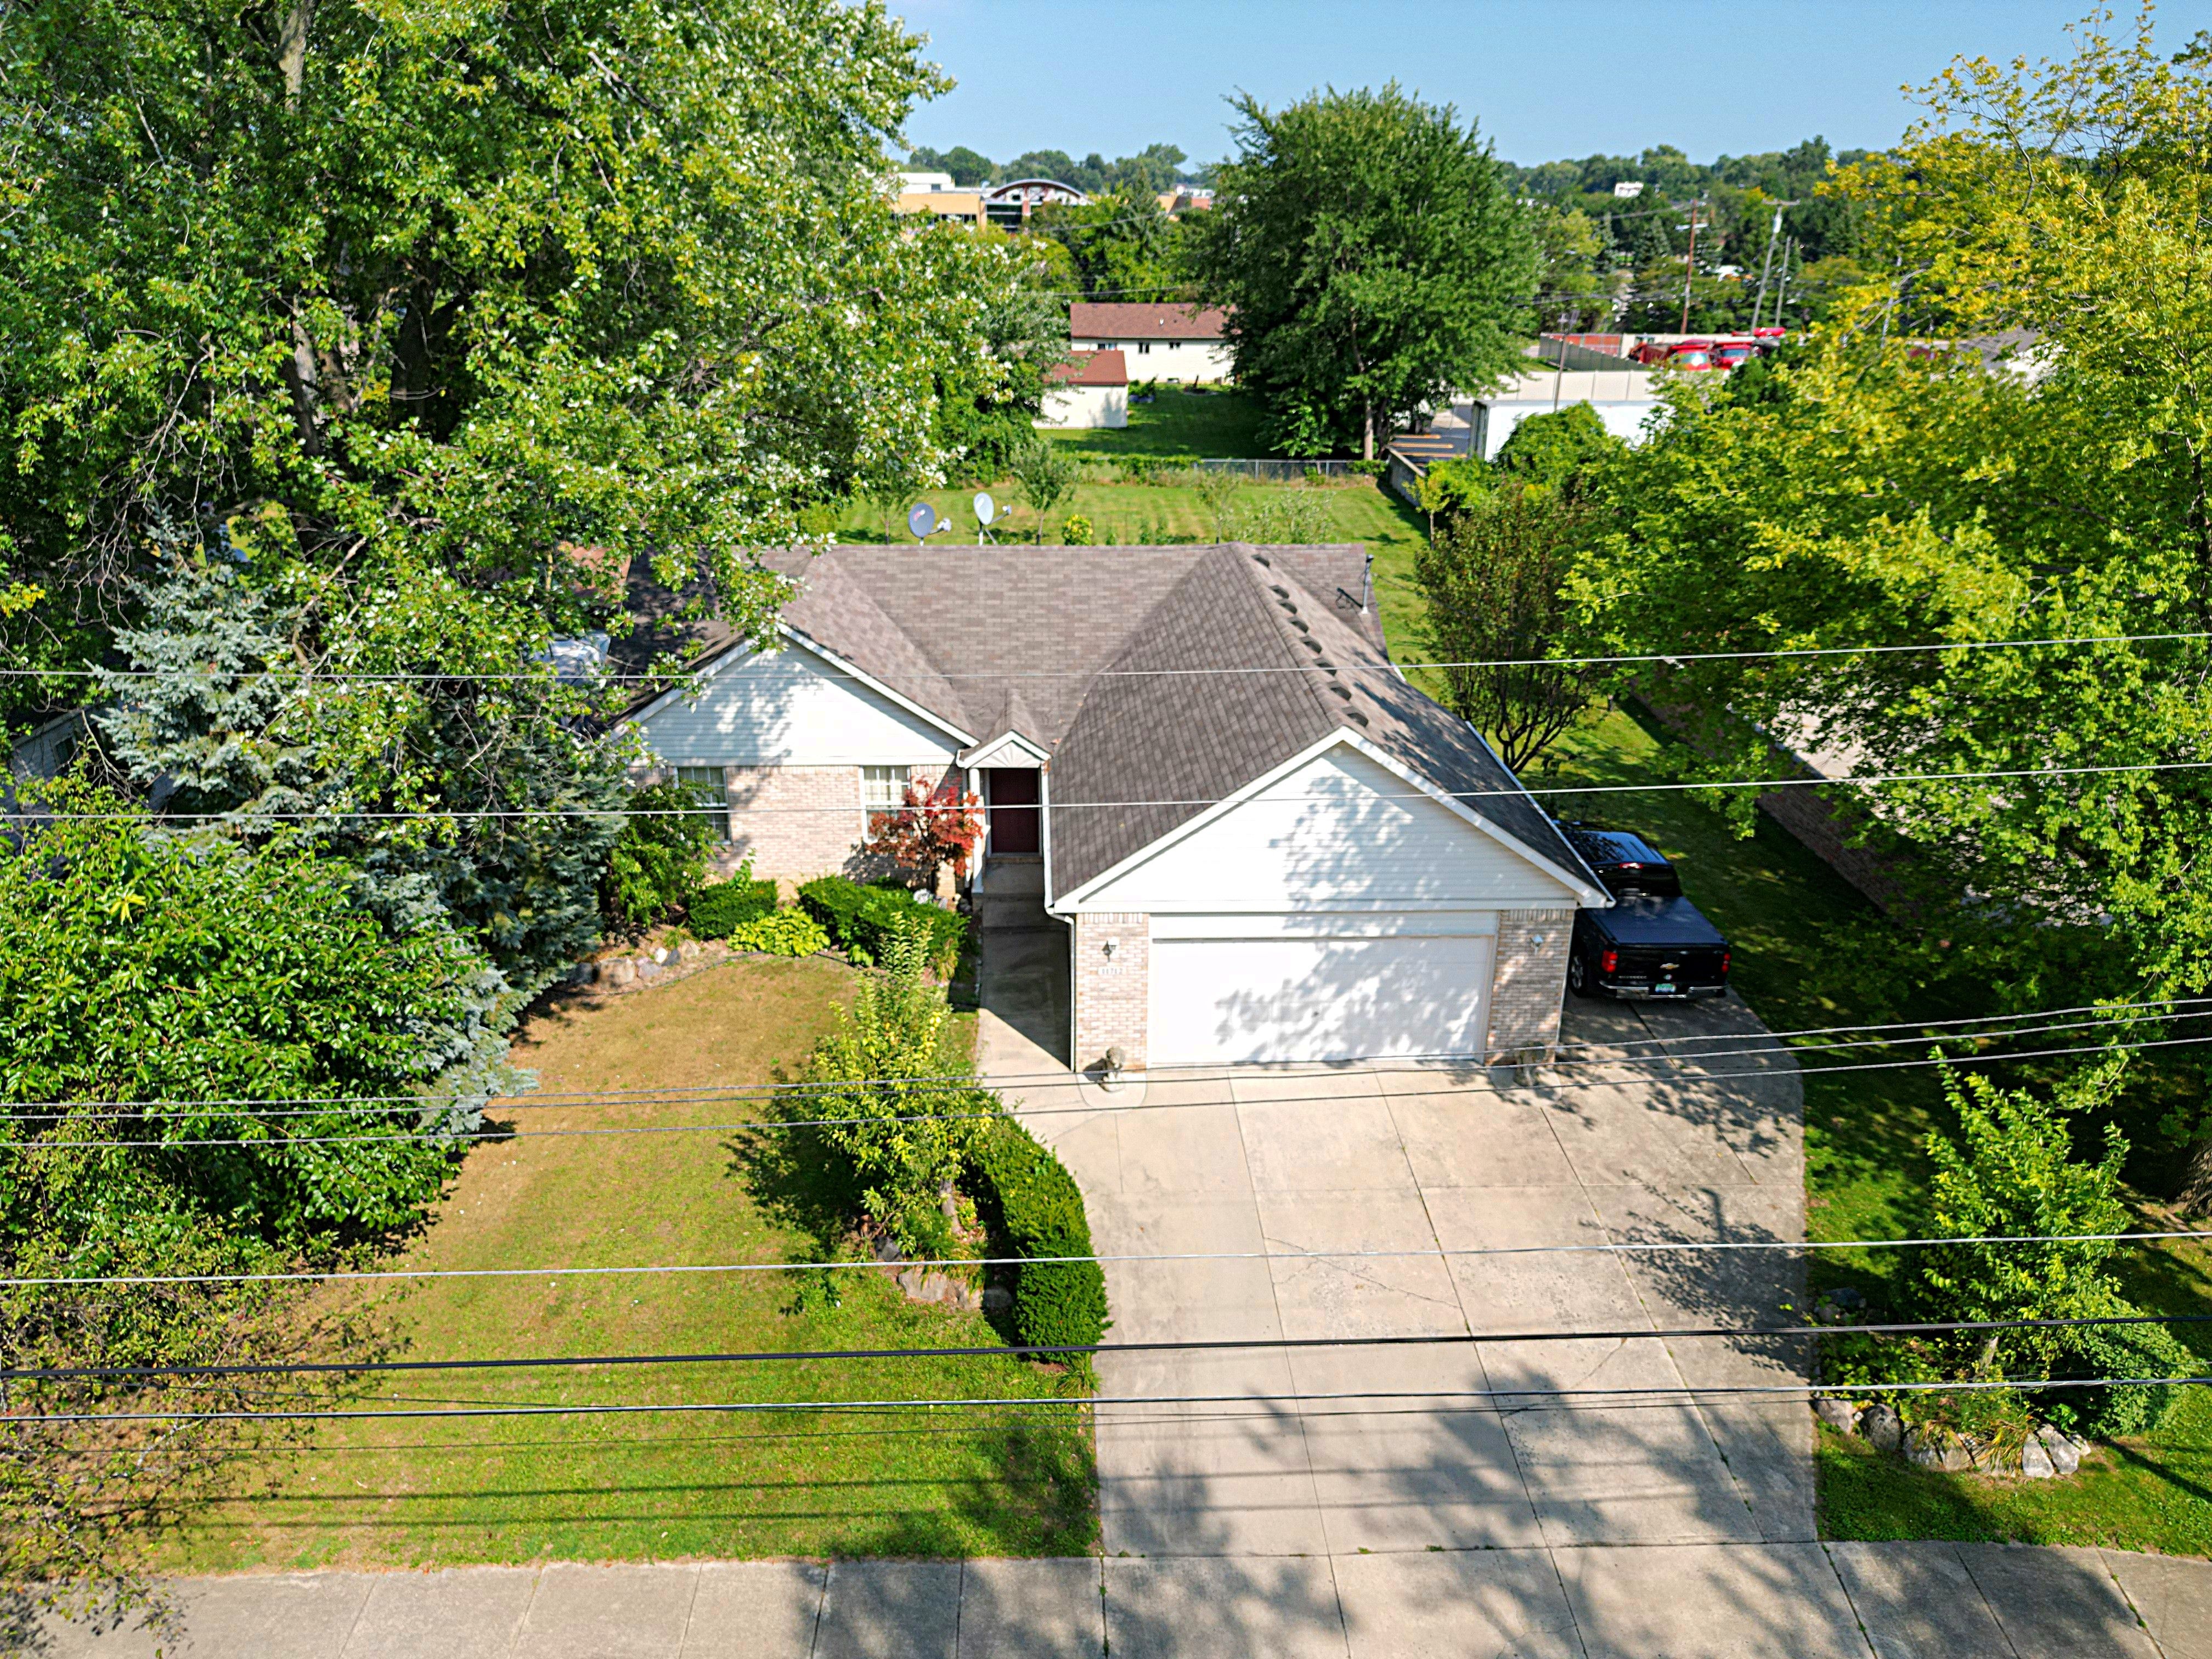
(1111, 658)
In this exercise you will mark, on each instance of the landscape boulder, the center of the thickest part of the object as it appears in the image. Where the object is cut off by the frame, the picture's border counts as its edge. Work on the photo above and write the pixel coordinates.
(2035, 1460)
(2063, 1451)
(1930, 1449)
(1841, 1415)
(1883, 1427)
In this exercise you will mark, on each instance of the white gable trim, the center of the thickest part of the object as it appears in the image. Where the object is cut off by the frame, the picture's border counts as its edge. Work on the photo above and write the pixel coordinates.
(815, 649)
(1009, 748)
(1587, 896)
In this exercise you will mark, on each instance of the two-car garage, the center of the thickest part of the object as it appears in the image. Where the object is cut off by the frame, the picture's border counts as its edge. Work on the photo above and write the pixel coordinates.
(1228, 989)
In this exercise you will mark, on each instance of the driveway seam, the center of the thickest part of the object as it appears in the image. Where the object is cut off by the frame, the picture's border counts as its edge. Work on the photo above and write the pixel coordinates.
(2104, 1560)
(691, 1612)
(1858, 1619)
(1275, 1301)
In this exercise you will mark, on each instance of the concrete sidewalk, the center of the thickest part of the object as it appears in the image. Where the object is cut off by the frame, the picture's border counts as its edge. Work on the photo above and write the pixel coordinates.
(1727, 1602)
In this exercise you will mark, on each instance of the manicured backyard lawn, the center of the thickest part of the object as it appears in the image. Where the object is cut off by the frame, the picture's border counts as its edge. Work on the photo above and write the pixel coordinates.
(1014, 1481)
(1811, 953)
(1206, 425)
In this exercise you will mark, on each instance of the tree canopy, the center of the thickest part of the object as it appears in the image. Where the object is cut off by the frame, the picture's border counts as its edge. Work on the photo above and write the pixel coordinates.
(1372, 258)
(2040, 472)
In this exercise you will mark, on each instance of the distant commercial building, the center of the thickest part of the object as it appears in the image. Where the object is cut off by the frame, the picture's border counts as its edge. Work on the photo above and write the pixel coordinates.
(1162, 342)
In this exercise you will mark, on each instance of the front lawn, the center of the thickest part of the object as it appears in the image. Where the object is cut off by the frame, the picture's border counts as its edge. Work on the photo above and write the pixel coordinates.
(1810, 953)
(1014, 1481)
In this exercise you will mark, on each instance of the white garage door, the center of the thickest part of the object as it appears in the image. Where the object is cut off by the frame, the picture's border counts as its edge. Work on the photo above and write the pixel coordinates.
(1335, 997)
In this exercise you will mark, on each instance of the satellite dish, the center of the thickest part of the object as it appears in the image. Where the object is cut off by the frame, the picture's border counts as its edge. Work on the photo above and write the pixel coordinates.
(921, 519)
(985, 509)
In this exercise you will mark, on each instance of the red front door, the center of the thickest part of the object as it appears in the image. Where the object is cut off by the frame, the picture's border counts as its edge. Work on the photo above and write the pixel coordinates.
(1011, 793)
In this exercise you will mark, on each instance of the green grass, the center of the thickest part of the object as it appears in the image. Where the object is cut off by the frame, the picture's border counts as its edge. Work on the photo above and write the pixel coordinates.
(1017, 1481)
(1810, 952)
(1206, 425)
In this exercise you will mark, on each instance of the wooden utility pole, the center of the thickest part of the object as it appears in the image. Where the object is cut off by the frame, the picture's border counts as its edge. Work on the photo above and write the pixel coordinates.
(1689, 265)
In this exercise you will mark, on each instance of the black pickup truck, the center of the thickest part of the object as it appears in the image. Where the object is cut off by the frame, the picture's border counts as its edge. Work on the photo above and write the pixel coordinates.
(1653, 944)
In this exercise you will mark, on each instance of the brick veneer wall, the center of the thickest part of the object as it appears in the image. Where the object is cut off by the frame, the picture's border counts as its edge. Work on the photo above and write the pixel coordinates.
(795, 822)
(1529, 981)
(1113, 1006)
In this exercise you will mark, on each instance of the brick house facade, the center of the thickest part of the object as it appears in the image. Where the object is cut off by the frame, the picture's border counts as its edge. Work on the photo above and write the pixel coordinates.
(1109, 955)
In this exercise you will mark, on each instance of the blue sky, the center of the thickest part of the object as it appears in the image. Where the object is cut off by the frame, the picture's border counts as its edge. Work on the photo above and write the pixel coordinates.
(1546, 78)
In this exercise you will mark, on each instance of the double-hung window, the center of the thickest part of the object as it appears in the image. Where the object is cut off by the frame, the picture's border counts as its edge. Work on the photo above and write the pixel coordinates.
(705, 785)
(883, 790)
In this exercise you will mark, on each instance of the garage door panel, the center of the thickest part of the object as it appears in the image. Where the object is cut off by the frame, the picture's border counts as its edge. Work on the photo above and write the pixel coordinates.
(1288, 999)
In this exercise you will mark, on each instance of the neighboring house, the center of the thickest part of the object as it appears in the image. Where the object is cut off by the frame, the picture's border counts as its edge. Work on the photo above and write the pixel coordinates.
(1161, 341)
(1264, 843)
(1091, 390)
(1009, 205)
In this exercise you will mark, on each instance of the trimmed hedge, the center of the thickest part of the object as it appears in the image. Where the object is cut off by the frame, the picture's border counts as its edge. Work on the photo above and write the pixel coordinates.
(1041, 1207)
(860, 918)
(720, 910)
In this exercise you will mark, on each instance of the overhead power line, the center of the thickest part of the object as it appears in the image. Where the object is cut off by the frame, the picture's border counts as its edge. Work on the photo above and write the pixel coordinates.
(340, 815)
(685, 1093)
(1689, 1391)
(769, 1355)
(1631, 1247)
(546, 675)
(470, 1136)
(317, 1106)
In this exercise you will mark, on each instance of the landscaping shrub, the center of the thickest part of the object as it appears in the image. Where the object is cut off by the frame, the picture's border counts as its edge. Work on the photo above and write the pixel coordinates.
(862, 919)
(1041, 1208)
(1076, 530)
(657, 864)
(2117, 1350)
(788, 933)
(719, 910)
(902, 1108)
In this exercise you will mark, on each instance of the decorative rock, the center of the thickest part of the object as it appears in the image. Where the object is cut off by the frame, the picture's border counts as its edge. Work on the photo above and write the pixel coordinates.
(2035, 1461)
(1883, 1427)
(2063, 1451)
(1988, 1457)
(1841, 1415)
(618, 973)
(583, 973)
(690, 950)
(648, 969)
(660, 953)
(1935, 1450)
(997, 1298)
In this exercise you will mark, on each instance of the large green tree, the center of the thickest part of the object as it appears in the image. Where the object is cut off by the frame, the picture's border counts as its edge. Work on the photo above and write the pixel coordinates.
(1877, 491)
(444, 294)
(1373, 260)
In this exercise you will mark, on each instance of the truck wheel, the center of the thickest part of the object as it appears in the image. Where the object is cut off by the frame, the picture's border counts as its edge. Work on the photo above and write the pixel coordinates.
(1575, 981)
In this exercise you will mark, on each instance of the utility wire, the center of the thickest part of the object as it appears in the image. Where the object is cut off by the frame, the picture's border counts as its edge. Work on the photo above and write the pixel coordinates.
(1457, 1339)
(341, 815)
(1096, 1402)
(298, 1106)
(459, 1137)
(1671, 658)
(1658, 1247)
(686, 1094)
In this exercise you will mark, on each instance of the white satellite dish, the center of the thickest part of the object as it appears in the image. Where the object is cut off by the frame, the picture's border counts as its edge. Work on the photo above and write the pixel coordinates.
(921, 520)
(987, 512)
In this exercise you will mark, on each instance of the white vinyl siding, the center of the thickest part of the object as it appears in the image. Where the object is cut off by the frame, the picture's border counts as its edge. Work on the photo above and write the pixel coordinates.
(1317, 997)
(1340, 833)
(791, 708)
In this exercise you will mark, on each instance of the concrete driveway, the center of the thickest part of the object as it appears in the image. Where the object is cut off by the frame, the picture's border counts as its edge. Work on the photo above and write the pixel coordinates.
(1646, 1521)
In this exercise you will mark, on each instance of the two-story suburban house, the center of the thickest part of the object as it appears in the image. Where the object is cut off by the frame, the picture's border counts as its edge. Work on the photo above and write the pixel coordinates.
(1264, 843)
(1176, 343)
